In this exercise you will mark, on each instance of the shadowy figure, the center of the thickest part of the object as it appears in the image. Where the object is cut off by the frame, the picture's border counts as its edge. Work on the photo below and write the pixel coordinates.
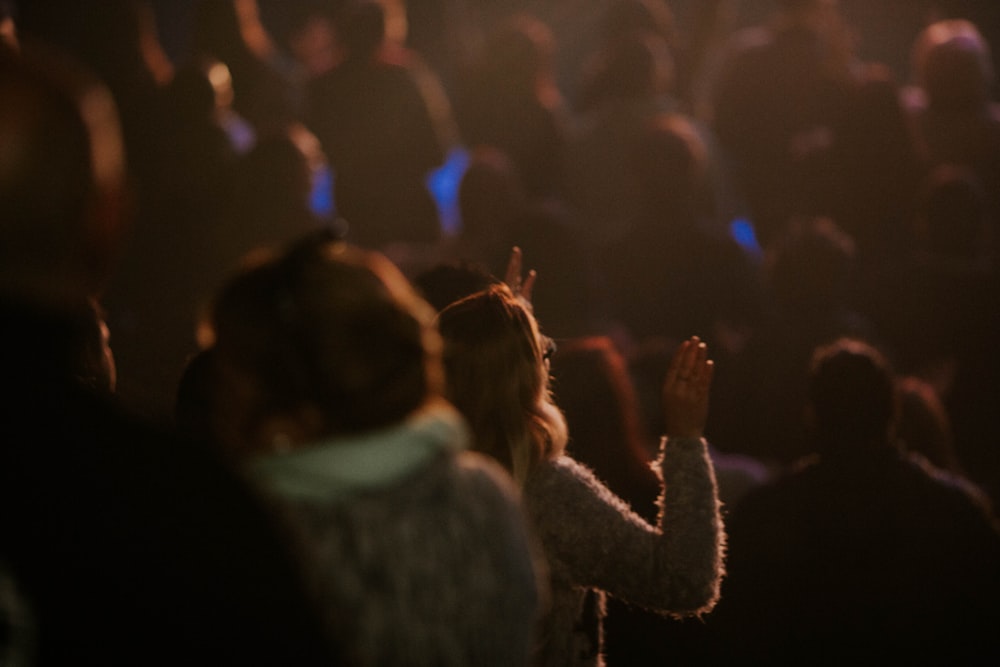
(327, 391)
(444, 33)
(274, 188)
(598, 179)
(781, 92)
(808, 276)
(957, 120)
(446, 282)
(863, 549)
(120, 45)
(198, 110)
(125, 544)
(938, 311)
(232, 32)
(508, 99)
(310, 39)
(491, 200)
(675, 271)
(934, 303)
(496, 363)
(874, 171)
(178, 250)
(384, 123)
(617, 64)
(497, 214)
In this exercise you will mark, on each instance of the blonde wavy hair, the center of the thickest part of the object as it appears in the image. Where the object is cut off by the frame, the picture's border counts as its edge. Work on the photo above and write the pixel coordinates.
(497, 376)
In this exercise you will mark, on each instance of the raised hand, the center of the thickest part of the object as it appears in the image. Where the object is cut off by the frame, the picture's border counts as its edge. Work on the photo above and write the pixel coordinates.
(519, 284)
(686, 388)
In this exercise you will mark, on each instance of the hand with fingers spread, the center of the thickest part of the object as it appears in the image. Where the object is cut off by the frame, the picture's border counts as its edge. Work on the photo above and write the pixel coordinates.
(519, 284)
(686, 388)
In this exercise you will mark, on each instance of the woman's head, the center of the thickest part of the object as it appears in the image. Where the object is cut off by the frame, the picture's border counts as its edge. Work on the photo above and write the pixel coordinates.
(496, 367)
(326, 339)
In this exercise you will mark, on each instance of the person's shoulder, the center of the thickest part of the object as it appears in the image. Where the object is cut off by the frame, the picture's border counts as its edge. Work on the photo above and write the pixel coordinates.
(481, 470)
(561, 468)
(959, 489)
(567, 485)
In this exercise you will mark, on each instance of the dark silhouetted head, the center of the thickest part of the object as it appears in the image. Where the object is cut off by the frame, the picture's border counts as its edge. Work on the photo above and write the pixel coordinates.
(447, 282)
(361, 27)
(953, 65)
(852, 397)
(326, 332)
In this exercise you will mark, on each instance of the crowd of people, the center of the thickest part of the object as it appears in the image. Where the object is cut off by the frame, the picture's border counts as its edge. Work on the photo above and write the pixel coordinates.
(286, 393)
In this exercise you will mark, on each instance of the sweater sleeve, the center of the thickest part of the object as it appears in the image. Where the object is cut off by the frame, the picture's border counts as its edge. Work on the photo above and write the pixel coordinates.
(593, 536)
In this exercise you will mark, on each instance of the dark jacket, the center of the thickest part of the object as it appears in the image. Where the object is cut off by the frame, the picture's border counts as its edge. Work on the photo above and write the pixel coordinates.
(878, 555)
(127, 545)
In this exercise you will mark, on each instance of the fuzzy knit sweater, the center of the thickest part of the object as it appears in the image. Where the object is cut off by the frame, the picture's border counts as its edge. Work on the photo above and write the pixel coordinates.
(595, 544)
(419, 551)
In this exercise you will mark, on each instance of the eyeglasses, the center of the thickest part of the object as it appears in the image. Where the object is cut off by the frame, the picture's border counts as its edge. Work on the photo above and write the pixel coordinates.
(548, 348)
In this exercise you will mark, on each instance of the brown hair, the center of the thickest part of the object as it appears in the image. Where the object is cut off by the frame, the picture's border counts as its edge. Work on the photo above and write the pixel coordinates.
(496, 376)
(330, 327)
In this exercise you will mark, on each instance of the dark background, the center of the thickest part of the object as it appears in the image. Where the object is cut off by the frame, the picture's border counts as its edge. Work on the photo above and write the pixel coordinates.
(886, 28)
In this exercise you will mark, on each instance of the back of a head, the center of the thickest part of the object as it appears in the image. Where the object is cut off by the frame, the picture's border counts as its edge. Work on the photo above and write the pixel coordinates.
(953, 65)
(361, 26)
(328, 328)
(671, 168)
(496, 377)
(852, 397)
(277, 174)
(217, 31)
(492, 356)
(490, 194)
(61, 173)
(447, 282)
(518, 55)
(633, 67)
(810, 265)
